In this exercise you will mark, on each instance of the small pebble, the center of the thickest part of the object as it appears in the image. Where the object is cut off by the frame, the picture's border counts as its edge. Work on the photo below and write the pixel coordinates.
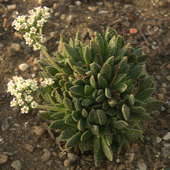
(117, 160)
(168, 78)
(158, 139)
(63, 16)
(11, 7)
(67, 163)
(157, 155)
(163, 108)
(46, 155)
(15, 46)
(103, 12)
(28, 147)
(165, 150)
(130, 157)
(69, 18)
(16, 165)
(1, 140)
(167, 136)
(38, 130)
(1, 45)
(55, 6)
(23, 66)
(78, 3)
(92, 8)
(141, 165)
(3, 159)
(72, 157)
(161, 96)
(168, 66)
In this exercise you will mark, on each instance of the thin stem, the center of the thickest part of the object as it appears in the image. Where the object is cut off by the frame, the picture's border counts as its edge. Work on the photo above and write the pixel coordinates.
(45, 52)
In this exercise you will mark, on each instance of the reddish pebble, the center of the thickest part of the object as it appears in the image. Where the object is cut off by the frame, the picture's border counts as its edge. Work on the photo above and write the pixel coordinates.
(133, 30)
(168, 66)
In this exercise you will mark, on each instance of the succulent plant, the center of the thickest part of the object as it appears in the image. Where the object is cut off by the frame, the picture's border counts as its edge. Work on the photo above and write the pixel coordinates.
(101, 95)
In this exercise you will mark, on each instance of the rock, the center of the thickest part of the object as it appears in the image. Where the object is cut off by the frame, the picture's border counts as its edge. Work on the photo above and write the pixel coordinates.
(163, 90)
(56, 14)
(127, 6)
(63, 17)
(161, 96)
(157, 155)
(78, 3)
(5, 125)
(40, 1)
(92, 8)
(168, 66)
(46, 155)
(52, 35)
(164, 85)
(28, 147)
(11, 7)
(163, 108)
(16, 165)
(103, 12)
(158, 77)
(168, 78)
(1, 140)
(38, 130)
(72, 157)
(130, 156)
(158, 139)
(55, 6)
(118, 160)
(17, 35)
(67, 163)
(69, 18)
(15, 46)
(23, 66)
(167, 136)
(3, 159)
(1, 45)
(166, 150)
(141, 165)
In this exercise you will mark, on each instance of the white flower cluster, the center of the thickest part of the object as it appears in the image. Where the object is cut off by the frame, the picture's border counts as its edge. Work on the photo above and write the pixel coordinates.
(47, 82)
(22, 90)
(31, 25)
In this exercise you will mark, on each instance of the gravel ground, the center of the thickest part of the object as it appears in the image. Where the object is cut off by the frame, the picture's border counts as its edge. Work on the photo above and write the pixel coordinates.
(25, 142)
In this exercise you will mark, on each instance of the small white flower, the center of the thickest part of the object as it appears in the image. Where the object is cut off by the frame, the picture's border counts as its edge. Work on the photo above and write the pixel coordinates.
(25, 109)
(34, 104)
(13, 103)
(41, 22)
(18, 95)
(33, 30)
(32, 25)
(47, 82)
(20, 23)
(22, 90)
(28, 98)
(36, 46)
(20, 102)
(28, 91)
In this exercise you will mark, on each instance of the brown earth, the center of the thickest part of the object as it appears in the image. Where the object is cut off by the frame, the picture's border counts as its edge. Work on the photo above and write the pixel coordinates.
(25, 137)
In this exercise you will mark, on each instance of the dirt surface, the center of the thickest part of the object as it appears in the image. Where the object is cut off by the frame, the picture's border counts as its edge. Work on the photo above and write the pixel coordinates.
(25, 142)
